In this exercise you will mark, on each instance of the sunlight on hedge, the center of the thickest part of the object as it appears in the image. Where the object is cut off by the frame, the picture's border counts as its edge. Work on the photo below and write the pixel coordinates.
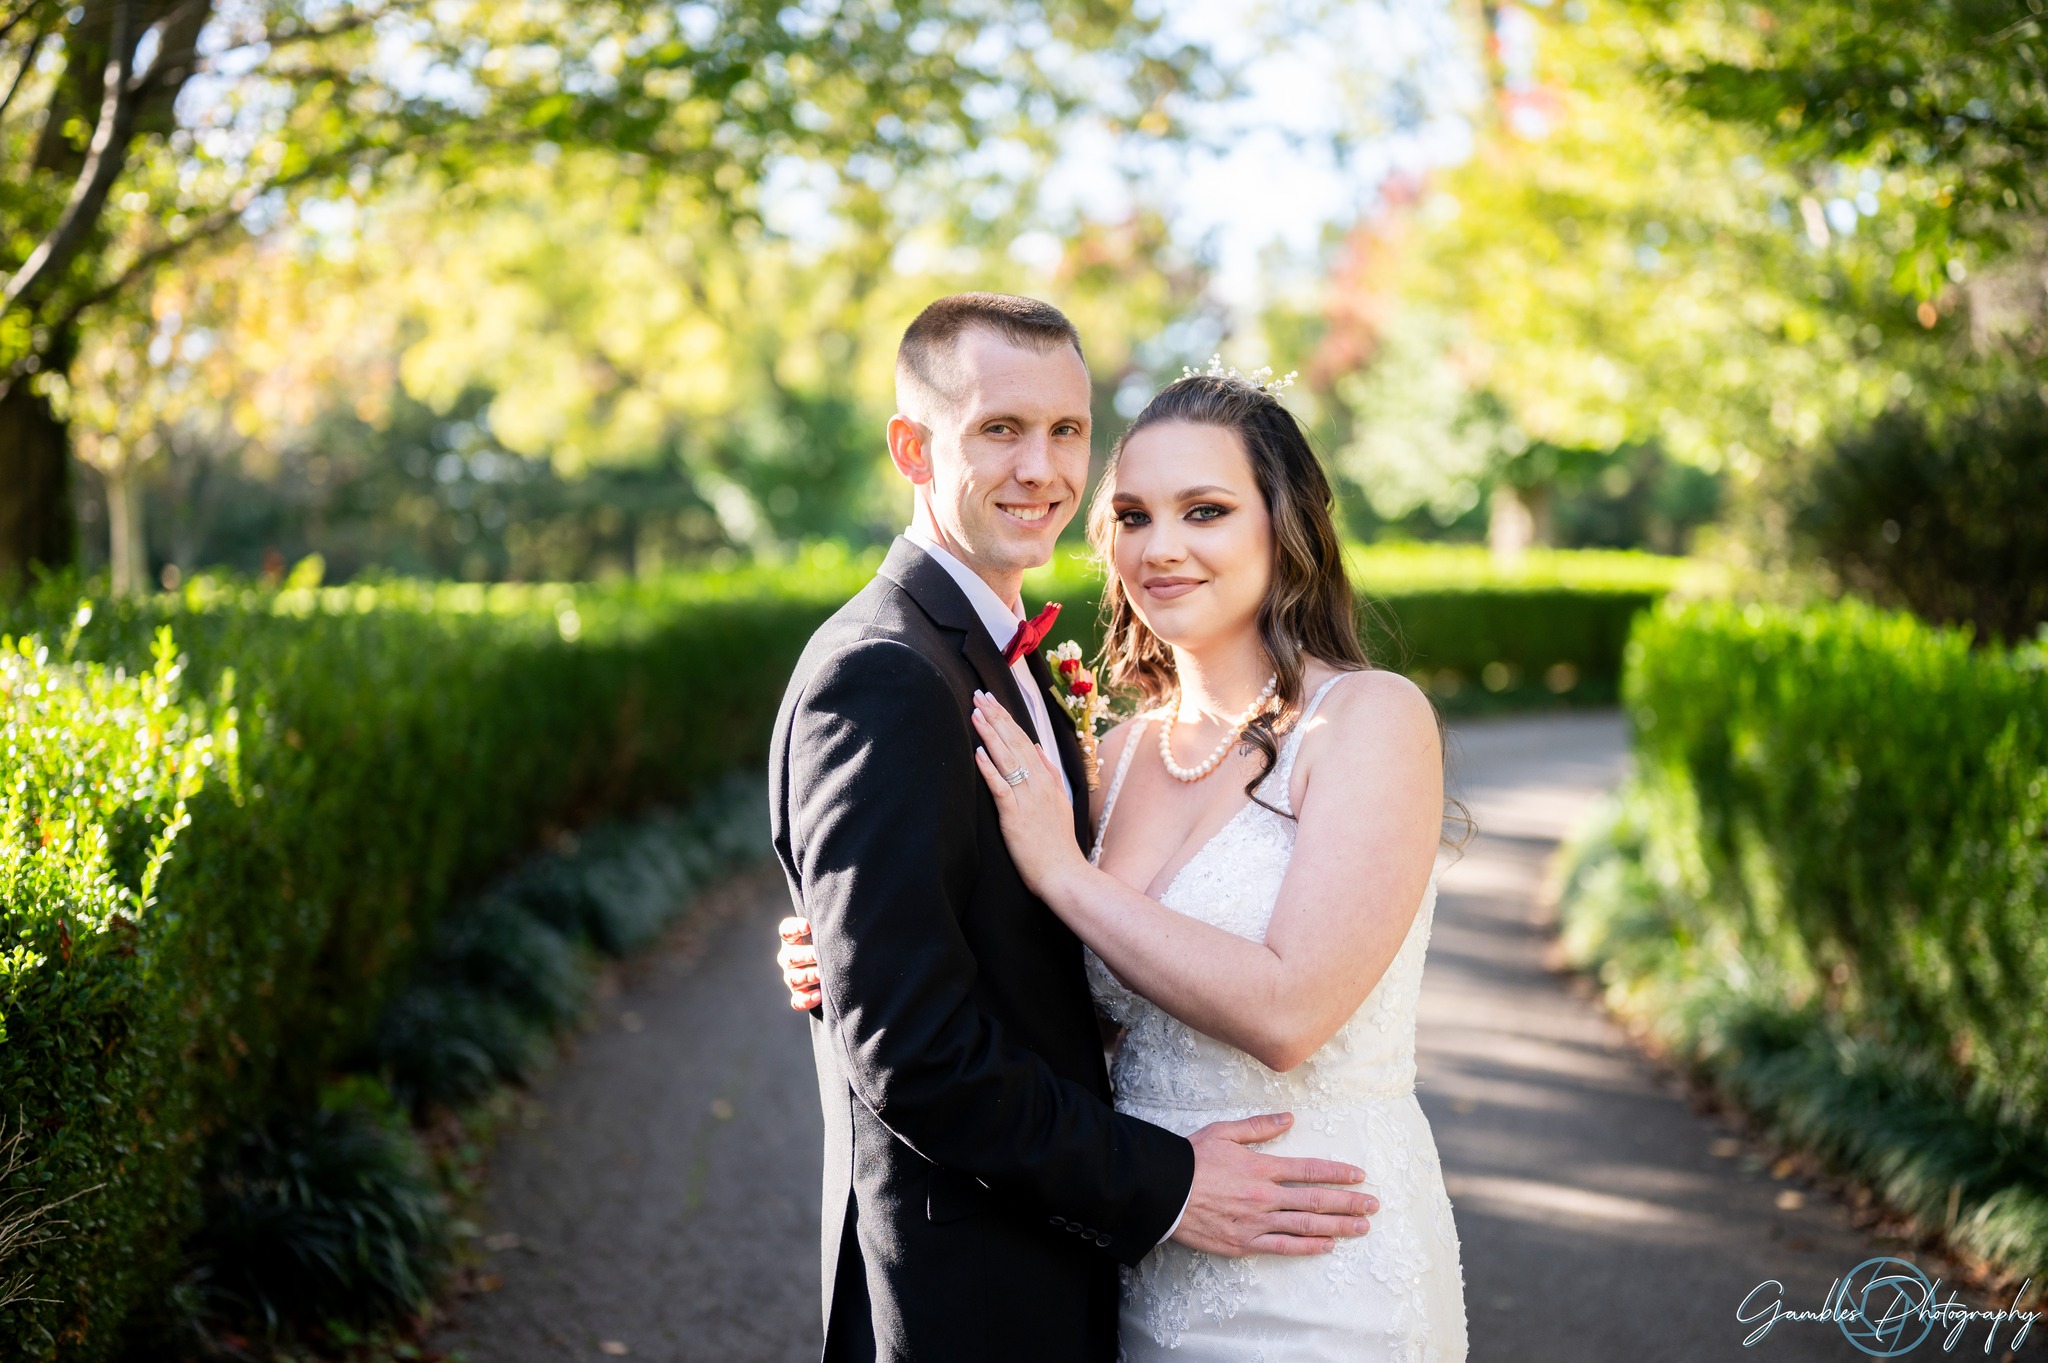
(100, 767)
(1827, 887)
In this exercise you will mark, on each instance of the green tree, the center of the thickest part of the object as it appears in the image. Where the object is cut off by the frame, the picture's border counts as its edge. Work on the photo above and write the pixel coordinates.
(589, 327)
(104, 180)
(1948, 100)
(1614, 267)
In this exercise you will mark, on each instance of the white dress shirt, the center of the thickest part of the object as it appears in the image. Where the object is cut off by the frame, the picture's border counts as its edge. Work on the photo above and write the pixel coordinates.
(1001, 619)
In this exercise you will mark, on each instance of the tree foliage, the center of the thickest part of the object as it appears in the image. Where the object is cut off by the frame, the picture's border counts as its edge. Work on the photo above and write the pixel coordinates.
(135, 130)
(1611, 267)
(1948, 518)
(1949, 97)
(285, 96)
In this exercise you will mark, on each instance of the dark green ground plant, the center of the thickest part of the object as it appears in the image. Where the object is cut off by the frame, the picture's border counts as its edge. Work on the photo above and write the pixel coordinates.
(316, 1220)
(500, 949)
(511, 969)
(616, 886)
(331, 1216)
(486, 999)
(445, 1045)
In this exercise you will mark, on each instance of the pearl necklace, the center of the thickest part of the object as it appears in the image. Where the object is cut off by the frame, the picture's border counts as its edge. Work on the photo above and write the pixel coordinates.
(1196, 773)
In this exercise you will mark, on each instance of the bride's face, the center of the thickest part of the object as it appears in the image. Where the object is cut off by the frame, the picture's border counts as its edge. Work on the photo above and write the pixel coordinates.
(1194, 541)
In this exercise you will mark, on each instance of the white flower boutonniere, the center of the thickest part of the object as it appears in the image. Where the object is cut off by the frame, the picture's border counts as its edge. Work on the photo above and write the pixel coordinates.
(1082, 700)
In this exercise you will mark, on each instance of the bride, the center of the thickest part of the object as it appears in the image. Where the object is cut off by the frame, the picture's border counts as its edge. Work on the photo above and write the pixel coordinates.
(1258, 900)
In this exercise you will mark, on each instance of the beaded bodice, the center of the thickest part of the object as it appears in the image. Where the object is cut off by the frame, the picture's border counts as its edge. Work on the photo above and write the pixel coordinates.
(1393, 1296)
(1233, 882)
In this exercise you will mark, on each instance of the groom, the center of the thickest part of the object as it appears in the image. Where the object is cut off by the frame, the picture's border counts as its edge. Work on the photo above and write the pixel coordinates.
(980, 1189)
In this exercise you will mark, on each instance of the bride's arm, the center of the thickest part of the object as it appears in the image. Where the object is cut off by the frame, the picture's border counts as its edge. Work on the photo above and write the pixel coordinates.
(1369, 823)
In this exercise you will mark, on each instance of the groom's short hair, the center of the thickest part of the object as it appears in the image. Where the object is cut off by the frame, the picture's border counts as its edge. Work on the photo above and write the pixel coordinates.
(926, 358)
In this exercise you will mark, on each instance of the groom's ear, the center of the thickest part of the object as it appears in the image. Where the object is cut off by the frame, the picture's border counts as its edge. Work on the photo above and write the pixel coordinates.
(910, 448)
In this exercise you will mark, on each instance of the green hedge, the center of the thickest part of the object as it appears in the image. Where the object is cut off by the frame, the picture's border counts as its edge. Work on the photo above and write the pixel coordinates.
(1476, 635)
(396, 745)
(1828, 884)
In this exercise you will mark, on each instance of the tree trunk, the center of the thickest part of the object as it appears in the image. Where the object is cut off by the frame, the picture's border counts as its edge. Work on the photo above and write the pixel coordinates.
(1518, 520)
(128, 546)
(35, 484)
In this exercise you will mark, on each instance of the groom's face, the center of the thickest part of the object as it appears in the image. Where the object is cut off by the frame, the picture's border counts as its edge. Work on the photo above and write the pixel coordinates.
(1000, 457)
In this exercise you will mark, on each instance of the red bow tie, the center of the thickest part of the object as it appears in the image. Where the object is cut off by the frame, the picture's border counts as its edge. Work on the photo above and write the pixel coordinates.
(1031, 633)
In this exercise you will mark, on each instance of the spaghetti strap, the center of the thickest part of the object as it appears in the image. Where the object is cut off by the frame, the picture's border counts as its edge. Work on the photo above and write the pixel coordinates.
(1282, 776)
(1116, 783)
(1308, 711)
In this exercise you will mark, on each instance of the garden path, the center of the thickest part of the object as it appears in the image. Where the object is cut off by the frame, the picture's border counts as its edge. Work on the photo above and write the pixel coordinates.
(662, 1201)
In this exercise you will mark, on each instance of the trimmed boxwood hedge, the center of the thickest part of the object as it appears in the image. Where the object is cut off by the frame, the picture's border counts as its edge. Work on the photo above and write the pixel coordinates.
(396, 745)
(1827, 885)
(379, 751)
(1477, 636)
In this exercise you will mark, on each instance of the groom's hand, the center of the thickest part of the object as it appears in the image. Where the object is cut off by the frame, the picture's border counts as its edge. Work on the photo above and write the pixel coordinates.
(799, 962)
(1247, 1203)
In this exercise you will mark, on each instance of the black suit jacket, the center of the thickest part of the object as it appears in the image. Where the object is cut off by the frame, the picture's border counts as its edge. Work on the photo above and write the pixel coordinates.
(980, 1189)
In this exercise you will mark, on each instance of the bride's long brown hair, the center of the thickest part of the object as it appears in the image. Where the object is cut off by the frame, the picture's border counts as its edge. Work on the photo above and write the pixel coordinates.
(1308, 612)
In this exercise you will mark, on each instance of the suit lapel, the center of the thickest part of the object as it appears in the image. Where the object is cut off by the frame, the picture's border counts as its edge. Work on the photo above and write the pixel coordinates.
(996, 677)
(940, 597)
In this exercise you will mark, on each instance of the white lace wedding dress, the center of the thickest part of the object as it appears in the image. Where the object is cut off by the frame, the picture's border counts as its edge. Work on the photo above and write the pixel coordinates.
(1395, 1295)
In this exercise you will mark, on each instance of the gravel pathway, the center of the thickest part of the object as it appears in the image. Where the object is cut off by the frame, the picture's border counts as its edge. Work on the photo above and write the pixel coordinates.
(661, 1201)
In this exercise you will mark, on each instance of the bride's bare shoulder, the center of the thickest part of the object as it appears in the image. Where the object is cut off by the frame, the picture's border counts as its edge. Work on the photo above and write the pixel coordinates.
(1371, 706)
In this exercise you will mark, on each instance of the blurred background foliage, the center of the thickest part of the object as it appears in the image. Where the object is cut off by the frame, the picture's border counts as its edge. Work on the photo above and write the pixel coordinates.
(1686, 244)
(508, 178)
(524, 291)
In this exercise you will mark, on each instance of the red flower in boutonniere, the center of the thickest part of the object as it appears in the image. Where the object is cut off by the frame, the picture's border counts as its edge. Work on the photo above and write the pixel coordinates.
(1078, 696)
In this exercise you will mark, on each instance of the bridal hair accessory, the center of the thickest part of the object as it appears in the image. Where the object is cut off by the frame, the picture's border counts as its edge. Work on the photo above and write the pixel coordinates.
(1030, 634)
(1260, 378)
(1082, 699)
(1197, 772)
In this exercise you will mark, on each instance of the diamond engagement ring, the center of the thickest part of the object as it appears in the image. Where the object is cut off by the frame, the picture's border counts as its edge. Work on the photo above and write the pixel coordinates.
(1017, 777)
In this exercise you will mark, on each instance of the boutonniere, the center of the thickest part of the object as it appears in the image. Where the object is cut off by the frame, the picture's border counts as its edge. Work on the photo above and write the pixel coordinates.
(1082, 699)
